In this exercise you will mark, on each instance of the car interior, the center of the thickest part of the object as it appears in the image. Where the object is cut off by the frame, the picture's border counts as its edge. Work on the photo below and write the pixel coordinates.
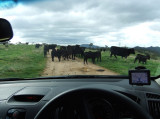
(90, 97)
(132, 96)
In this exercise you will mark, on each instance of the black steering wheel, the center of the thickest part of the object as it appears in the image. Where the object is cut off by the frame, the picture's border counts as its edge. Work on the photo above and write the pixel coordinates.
(88, 103)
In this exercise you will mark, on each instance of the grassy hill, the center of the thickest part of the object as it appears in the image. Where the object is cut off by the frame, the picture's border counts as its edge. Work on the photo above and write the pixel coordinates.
(21, 61)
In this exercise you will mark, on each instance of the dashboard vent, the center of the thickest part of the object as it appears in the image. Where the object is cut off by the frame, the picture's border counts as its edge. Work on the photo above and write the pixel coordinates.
(28, 98)
(154, 108)
(154, 96)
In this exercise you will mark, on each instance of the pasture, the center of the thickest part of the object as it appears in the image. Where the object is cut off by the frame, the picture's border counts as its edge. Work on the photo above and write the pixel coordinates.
(22, 61)
(26, 61)
(122, 66)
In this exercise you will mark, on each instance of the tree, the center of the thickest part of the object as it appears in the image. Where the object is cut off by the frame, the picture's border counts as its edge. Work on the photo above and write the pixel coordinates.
(91, 44)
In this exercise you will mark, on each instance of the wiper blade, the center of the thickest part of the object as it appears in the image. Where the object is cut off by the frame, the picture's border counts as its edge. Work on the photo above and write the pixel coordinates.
(67, 77)
(11, 79)
(74, 76)
(156, 77)
(82, 76)
(95, 76)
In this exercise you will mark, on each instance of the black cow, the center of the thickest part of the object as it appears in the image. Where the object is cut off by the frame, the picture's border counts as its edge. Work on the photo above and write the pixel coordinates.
(123, 52)
(56, 53)
(78, 51)
(53, 54)
(93, 56)
(45, 50)
(98, 55)
(49, 47)
(89, 55)
(52, 46)
(64, 52)
(75, 51)
(70, 50)
(37, 45)
(142, 58)
(82, 49)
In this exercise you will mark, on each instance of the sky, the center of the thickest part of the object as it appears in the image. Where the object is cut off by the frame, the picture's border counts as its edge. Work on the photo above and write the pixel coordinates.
(101, 22)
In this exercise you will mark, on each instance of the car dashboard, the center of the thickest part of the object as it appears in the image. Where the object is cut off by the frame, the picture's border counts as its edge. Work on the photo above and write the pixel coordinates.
(76, 99)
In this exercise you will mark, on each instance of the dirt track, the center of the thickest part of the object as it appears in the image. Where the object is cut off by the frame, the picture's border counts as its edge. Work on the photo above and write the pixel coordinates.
(73, 67)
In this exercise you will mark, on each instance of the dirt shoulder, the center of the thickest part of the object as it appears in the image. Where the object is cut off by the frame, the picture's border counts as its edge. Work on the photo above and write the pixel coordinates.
(73, 67)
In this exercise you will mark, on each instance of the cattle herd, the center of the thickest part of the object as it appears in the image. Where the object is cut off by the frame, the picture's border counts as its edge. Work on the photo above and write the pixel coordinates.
(70, 52)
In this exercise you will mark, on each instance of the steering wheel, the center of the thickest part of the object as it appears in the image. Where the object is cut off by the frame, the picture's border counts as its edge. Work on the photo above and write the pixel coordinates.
(78, 104)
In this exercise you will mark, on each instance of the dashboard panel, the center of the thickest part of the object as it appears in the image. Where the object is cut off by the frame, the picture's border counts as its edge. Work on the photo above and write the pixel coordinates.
(24, 99)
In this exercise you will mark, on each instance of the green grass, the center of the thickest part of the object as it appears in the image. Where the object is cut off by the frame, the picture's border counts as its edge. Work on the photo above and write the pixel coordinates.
(23, 61)
(87, 50)
(122, 66)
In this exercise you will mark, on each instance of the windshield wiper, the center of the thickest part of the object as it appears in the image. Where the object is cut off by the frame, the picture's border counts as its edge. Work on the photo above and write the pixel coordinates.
(96, 76)
(155, 77)
(74, 76)
(68, 77)
(11, 79)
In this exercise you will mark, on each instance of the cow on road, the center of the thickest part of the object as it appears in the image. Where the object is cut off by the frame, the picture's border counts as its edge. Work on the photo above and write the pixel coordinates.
(56, 53)
(93, 56)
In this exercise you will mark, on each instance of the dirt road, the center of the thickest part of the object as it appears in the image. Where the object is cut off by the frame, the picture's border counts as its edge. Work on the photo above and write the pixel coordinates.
(73, 67)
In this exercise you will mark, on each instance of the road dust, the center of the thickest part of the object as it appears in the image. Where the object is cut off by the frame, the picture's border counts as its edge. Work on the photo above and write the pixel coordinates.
(73, 67)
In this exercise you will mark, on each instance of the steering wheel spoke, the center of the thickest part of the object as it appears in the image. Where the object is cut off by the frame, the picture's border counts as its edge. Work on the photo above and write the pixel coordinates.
(86, 109)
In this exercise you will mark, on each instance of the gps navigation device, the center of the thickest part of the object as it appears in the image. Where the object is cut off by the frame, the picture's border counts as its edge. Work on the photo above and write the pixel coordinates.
(139, 77)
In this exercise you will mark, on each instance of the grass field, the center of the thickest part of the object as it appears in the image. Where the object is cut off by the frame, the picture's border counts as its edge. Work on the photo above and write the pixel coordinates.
(23, 61)
(122, 66)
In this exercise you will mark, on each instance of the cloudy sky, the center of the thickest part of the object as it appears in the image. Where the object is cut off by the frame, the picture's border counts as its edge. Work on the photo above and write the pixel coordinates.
(101, 22)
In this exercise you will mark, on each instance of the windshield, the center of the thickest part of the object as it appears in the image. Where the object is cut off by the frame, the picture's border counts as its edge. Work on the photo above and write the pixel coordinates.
(80, 37)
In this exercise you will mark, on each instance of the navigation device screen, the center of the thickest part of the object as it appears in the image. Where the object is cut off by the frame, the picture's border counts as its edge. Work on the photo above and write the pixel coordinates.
(141, 77)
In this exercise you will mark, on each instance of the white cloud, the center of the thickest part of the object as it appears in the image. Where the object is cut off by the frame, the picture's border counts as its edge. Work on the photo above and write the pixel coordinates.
(103, 22)
(141, 35)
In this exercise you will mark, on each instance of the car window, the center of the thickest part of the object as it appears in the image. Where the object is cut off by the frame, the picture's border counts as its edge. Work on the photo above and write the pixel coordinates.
(87, 37)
